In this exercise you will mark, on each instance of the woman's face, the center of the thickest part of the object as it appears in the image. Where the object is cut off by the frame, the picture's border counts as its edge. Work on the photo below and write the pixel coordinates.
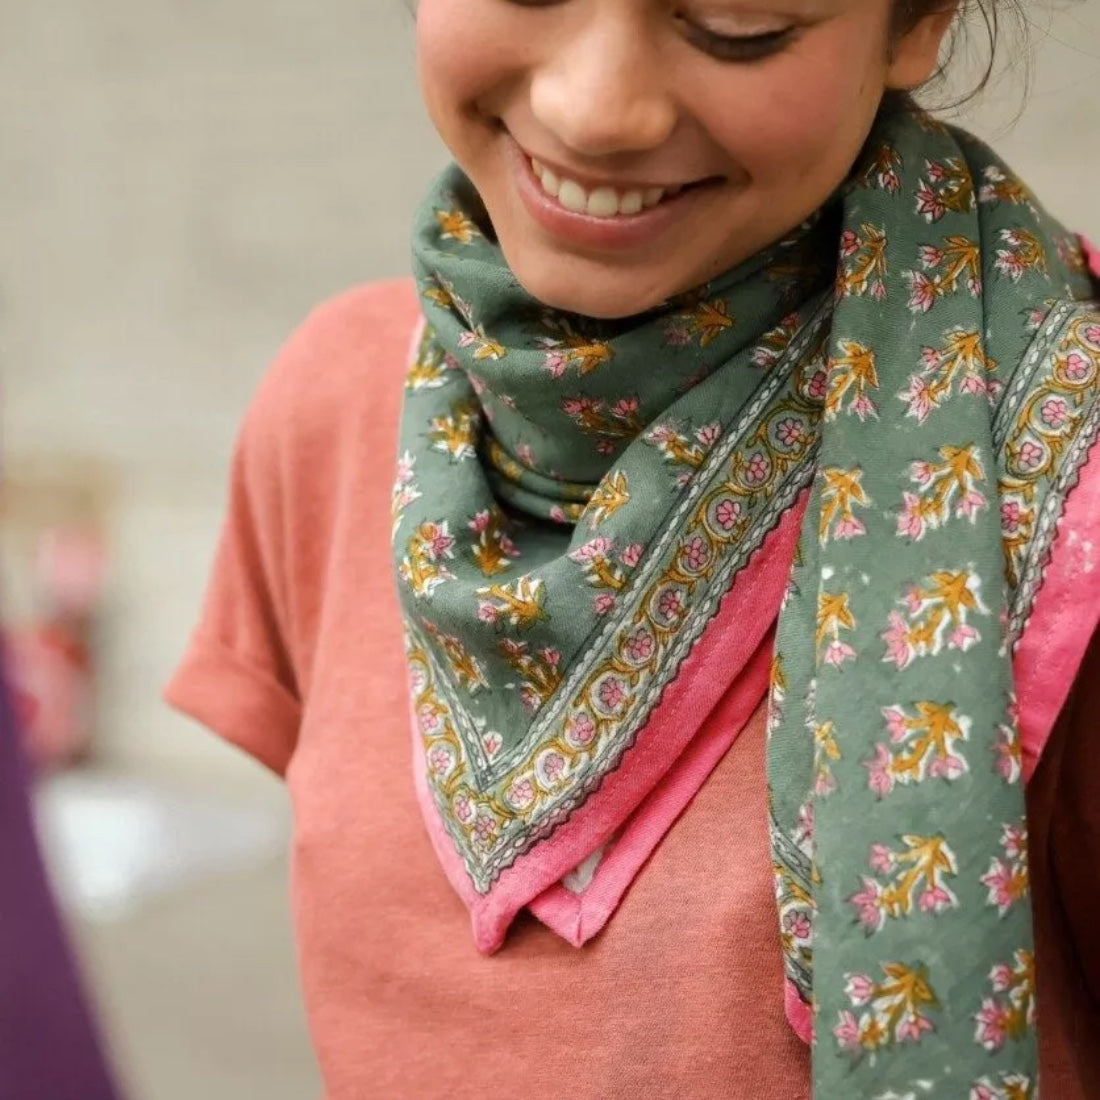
(629, 150)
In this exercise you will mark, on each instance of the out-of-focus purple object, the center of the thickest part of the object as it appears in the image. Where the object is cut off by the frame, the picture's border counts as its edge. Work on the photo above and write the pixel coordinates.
(49, 1048)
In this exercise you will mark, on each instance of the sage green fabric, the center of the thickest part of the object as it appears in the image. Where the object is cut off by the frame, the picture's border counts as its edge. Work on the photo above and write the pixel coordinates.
(574, 499)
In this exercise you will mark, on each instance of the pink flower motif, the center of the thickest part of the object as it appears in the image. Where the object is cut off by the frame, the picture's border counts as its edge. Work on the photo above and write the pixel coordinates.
(604, 602)
(1000, 881)
(911, 519)
(485, 828)
(867, 907)
(1076, 367)
(913, 600)
(640, 646)
(974, 384)
(930, 358)
(1015, 841)
(727, 513)
(936, 171)
(1054, 413)
(553, 765)
(1001, 977)
(557, 514)
(555, 363)
(963, 637)
(882, 859)
(824, 783)
(993, 1023)
(947, 767)
(526, 455)
(677, 336)
(1030, 455)
(481, 522)
(632, 554)
(439, 760)
(890, 181)
(573, 406)
(798, 925)
(879, 777)
(487, 613)
(935, 900)
(859, 989)
(581, 729)
(662, 433)
(836, 653)
(529, 697)
(708, 434)
(878, 290)
(929, 205)
(846, 1032)
(1011, 515)
(849, 528)
(670, 605)
(922, 292)
(757, 469)
(463, 809)
(625, 407)
(919, 398)
(492, 743)
(922, 473)
(913, 1027)
(864, 407)
(970, 505)
(1092, 334)
(790, 431)
(849, 243)
(428, 719)
(895, 723)
(551, 656)
(930, 256)
(696, 554)
(521, 793)
(818, 385)
(606, 446)
(594, 550)
(611, 693)
(1010, 264)
(898, 648)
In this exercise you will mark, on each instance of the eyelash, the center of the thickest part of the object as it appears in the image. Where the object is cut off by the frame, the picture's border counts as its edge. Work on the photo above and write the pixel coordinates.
(732, 48)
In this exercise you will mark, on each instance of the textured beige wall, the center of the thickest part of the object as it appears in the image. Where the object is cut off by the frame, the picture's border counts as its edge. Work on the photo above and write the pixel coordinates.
(181, 181)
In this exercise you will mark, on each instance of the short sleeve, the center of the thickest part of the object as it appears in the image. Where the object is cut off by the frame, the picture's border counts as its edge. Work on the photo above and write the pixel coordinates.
(237, 676)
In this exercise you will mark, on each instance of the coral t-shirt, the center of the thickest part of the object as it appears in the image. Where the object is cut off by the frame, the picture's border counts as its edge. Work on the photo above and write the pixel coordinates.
(298, 659)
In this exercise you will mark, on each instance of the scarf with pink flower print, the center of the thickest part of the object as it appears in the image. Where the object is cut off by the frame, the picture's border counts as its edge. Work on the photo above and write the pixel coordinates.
(575, 499)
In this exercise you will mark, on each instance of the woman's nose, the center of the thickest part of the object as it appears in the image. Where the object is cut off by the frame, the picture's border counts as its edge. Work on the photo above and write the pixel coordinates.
(604, 94)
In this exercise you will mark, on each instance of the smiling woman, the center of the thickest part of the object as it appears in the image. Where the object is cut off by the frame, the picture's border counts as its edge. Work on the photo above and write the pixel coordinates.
(740, 551)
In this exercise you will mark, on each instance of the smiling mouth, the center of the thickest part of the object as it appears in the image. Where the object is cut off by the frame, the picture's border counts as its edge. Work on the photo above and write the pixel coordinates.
(604, 201)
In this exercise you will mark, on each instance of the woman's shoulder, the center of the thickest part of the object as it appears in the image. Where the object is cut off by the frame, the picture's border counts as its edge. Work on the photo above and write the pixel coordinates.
(340, 371)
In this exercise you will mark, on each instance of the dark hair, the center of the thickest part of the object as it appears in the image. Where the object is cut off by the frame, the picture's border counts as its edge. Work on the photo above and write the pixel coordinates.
(989, 17)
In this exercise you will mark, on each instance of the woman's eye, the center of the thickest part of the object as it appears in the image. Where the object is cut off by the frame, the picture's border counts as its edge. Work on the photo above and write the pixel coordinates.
(725, 47)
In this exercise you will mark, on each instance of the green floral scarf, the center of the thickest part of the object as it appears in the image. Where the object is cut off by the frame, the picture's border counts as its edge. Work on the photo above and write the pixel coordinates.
(913, 378)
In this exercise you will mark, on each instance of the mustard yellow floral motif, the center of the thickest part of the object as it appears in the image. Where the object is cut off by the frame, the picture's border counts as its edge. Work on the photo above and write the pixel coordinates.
(699, 320)
(493, 549)
(485, 347)
(611, 421)
(611, 495)
(883, 164)
(454, 225)
(456, 434)
(602, 570)
(1024, 252)
(1001, 186)
(863, 267)
(774, 343)
(467, 669)
(852, 375)
(430, 367)
(949, 487)
(948, 188)
(422, 566)
(960, 362)
(910, 879)
(927, 747)
(842, 494)
(1008, 1086)
(937, 617)
(441, 292)
(541, 671)
(1010, 1013)
(826, 753)
(681, 449)
(565, 347)
(889, 1011)
(833, 616)
(958, 261)
(519, 604)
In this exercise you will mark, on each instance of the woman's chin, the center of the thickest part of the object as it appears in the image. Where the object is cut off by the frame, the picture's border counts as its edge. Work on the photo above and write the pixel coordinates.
(604, 296)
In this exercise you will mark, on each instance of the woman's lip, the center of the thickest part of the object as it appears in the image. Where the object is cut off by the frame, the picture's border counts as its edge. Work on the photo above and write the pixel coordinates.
(624, 231)
(591, 183)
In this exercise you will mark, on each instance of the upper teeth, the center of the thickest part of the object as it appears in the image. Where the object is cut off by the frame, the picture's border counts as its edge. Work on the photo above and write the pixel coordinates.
(603, 202)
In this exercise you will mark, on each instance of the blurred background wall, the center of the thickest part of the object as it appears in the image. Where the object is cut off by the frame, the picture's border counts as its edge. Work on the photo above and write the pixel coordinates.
(181, 181)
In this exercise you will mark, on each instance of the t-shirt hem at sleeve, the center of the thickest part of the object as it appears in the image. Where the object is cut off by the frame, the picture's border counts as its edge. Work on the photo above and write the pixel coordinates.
(238, 702)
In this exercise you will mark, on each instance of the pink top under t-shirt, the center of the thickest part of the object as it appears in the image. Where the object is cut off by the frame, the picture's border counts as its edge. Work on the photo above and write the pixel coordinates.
(298, 659)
